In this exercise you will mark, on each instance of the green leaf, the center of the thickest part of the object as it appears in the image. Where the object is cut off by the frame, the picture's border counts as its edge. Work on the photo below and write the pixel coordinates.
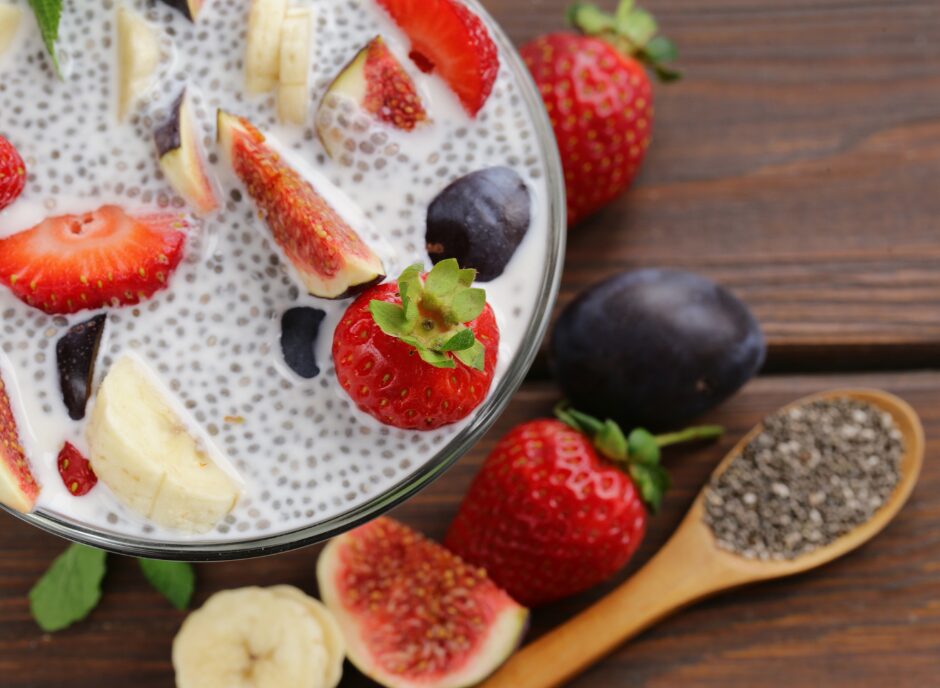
(467, 277)
(660, 49)
(69, 590)
(591, 425)
(389, 317)
(643, 448)
(611, 442)
(176, 580)
(624, 8)
(638, 26)
(409, 284)
(468, 305)
(438, 360)
(589, 19)
(652, 482)
(474, 357)
(443, 278)
(460, 341)
(48, 14)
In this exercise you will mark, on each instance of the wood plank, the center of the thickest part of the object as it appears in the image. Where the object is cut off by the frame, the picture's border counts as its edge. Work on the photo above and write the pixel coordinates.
(869, 620)
(797, 164)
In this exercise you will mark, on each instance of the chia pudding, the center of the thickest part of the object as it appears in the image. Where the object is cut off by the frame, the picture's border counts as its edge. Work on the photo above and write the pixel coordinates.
(300, 449)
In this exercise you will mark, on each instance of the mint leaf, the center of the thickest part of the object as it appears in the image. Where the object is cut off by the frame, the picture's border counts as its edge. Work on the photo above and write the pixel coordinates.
(69, 590)
(468, 305)
(48, 14)
(176, 580)
(460, 341)
(474, 357)
(389, 317)
(443, 278)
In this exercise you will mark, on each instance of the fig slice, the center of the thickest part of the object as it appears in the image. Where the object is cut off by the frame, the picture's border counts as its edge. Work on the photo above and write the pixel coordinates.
(413, 613)
(330, 257)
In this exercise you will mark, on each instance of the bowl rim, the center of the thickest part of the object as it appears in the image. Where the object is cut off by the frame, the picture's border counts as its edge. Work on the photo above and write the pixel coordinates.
(458, 445)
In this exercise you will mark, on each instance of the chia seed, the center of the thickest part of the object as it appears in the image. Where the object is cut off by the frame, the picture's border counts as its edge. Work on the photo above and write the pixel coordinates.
(814, 473)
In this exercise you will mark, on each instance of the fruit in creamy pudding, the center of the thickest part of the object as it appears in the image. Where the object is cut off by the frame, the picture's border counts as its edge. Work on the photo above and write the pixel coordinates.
(300, 328)
(159, 284)
(293, 90)
(189, 8)
(102, 258)
(263, 44)
(331, 258)
(12, 173)
(144, 452)
(373, 83)
(76, 354)
(414, 614)
(181, 157)
(138, 57)
(451, 41)
(480, 220)
(419, 354)
(10, 18)
(18, 486)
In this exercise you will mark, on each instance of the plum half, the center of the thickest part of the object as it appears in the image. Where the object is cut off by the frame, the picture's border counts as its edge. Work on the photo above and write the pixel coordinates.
(188, 8)
(76, 354)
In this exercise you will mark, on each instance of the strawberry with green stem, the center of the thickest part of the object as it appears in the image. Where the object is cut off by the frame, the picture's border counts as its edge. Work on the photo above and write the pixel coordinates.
(599, 98)
(561, 505)
(421, 353)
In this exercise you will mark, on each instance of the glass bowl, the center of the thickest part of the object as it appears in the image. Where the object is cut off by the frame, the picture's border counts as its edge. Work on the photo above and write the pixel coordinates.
(455, 448)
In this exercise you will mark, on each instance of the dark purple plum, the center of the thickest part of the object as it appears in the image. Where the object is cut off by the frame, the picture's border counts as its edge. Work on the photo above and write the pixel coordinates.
(480, 220)
(655, 348)
(76, 353)
(300, 328)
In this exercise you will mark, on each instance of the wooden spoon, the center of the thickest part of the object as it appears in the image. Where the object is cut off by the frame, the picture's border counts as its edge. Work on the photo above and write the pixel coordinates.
(690, 567)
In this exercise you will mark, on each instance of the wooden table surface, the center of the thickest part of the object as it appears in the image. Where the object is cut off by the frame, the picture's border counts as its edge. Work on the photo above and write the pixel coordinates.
(798, 164)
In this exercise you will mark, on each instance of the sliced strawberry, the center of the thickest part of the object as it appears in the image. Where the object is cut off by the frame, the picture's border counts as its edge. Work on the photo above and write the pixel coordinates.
(449, 39)
(76, 471)
(102, 258)
(12, 173)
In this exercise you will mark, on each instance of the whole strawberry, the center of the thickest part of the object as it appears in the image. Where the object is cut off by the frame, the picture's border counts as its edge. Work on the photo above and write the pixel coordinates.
(12, 173)
(419, 354)
(561, 505)
(598, 96)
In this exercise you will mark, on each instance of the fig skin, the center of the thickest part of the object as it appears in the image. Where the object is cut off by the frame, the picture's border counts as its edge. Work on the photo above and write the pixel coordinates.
(655, 348)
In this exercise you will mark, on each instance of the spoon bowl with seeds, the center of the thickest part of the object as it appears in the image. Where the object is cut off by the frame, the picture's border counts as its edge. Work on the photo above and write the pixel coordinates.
(696, 563)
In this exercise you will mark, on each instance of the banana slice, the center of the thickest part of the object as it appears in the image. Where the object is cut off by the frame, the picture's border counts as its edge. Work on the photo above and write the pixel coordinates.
(142, 450)
(263, 53)
(138, 57)
(10, 17)
(257, 638)
(293, 95)
(332, 634)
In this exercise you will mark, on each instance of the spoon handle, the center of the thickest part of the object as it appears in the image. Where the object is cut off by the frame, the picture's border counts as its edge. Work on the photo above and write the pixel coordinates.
(683, 572)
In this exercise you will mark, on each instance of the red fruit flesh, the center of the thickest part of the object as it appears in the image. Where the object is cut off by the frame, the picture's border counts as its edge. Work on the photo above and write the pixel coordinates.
(18, 487)
(450, 40)
(388, 380)
(12, 173)
(333, 261)
(103, 258)
(390, 92)
(413, 613)
(601, 106)
(546, 516)
(76, 471)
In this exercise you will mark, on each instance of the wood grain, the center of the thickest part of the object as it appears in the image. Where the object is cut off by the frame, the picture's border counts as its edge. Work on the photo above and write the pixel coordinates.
(871, 619)
(797, 164)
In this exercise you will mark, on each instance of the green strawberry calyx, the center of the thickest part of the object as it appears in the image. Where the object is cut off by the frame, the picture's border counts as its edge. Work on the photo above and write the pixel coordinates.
(631, 30)
(639, 452)
(434, 313)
